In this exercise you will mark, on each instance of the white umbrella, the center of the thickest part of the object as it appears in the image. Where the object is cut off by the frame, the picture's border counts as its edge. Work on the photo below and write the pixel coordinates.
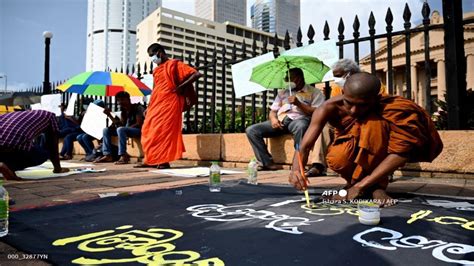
(242, 71)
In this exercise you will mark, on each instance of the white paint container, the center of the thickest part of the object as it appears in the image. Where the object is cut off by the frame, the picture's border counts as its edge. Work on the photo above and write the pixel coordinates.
(369, 213)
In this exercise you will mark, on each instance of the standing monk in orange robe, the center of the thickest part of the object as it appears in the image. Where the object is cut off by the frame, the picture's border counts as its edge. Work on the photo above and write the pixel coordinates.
(374, 135)
(161, 139)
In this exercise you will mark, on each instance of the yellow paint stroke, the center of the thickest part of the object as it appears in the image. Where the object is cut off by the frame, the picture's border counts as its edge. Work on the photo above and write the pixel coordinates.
(419, 215)
(445, 220)
(306, 194)
(65, 241)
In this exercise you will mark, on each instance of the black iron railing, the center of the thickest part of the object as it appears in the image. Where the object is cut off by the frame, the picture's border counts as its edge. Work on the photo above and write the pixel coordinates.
(234, 115)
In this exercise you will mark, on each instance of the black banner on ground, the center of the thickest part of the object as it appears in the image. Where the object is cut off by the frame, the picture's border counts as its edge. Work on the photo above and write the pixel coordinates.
(244, 225)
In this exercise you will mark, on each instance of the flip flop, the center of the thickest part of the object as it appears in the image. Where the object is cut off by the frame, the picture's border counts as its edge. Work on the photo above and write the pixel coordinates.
(104, 159)
(313, 172)
(122, 162)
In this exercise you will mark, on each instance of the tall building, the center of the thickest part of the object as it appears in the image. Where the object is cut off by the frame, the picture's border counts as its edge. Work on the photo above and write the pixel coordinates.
(222, 10)
(276, 16)
(111, 31)
(183, 35)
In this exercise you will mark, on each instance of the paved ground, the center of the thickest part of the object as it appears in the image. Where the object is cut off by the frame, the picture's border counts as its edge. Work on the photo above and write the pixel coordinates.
(126, 179)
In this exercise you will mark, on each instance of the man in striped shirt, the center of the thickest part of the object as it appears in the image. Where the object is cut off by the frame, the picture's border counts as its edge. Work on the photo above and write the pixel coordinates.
(18, 149)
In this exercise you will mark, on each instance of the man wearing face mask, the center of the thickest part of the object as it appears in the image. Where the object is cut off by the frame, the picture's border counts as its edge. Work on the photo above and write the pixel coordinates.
(161, 139)
(288, 114)
(341, 70)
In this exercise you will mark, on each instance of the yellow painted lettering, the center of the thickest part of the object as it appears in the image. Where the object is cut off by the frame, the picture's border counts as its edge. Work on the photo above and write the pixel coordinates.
(148, 247)
(456, 220)
(469, 225)
(65, 241)
(419, 215)
(69, 240)
(130, 240)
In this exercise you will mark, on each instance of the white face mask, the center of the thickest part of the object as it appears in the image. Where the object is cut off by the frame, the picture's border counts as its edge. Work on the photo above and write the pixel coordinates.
(291, 85)
(340, 81)
(156, 60)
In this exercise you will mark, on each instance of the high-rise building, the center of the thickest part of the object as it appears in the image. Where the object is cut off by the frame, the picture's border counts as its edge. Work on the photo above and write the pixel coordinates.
(222, 10)
(183, 35)
(276, 16)
(111, 32)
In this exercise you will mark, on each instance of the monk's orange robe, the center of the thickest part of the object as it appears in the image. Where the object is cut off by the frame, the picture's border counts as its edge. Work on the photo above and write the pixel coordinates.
(161, 139)
(398, 126)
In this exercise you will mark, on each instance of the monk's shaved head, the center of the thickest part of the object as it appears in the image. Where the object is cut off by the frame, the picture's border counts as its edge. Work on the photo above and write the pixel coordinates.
(362, 85)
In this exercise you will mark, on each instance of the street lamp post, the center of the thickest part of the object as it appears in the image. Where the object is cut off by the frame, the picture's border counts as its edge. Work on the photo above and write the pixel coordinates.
(47, 41)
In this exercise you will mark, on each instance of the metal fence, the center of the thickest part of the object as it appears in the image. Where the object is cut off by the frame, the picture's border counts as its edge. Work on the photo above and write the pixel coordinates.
(206, 117)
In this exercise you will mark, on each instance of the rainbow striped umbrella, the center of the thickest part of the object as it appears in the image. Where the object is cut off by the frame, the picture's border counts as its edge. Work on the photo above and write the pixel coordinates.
(100, 83)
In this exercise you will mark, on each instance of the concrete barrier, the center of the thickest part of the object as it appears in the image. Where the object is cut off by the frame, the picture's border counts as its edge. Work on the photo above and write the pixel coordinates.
(457, 156)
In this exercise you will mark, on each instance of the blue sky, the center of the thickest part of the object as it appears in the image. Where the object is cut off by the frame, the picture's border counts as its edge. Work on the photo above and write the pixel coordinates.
(22, 23)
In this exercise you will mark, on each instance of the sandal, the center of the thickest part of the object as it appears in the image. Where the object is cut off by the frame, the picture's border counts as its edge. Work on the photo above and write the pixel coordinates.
(164, 166)
(124, 159)
(65, 157)
(122, 162)
(104, 159)
(315, 171)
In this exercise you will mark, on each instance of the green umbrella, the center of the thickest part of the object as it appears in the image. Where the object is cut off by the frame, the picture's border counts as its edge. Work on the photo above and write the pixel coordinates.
(272, 74)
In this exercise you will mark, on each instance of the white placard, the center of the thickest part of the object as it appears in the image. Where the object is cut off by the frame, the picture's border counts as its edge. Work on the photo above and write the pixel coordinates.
(36, 106)
(241, 73)
(51, 103)
(137, 99)
(71, 104)
(95, 121)
(326, 51)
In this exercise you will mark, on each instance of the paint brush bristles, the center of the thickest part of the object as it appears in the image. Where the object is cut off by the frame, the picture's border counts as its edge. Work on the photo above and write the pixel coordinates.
(306, 194)
(300, 163)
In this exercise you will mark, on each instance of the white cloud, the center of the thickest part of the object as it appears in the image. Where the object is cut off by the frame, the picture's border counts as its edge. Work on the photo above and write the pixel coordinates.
(317, 12)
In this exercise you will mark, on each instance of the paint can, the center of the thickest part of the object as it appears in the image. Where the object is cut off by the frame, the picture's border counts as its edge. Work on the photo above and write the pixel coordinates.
(369, 213)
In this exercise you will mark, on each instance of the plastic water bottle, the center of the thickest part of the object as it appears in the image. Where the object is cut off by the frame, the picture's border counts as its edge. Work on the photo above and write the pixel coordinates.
(3, 210)
(252, 170)
(215, 177)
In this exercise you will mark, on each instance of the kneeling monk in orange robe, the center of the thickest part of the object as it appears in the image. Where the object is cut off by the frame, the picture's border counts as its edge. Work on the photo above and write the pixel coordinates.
(161, 139)
(374, 135)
